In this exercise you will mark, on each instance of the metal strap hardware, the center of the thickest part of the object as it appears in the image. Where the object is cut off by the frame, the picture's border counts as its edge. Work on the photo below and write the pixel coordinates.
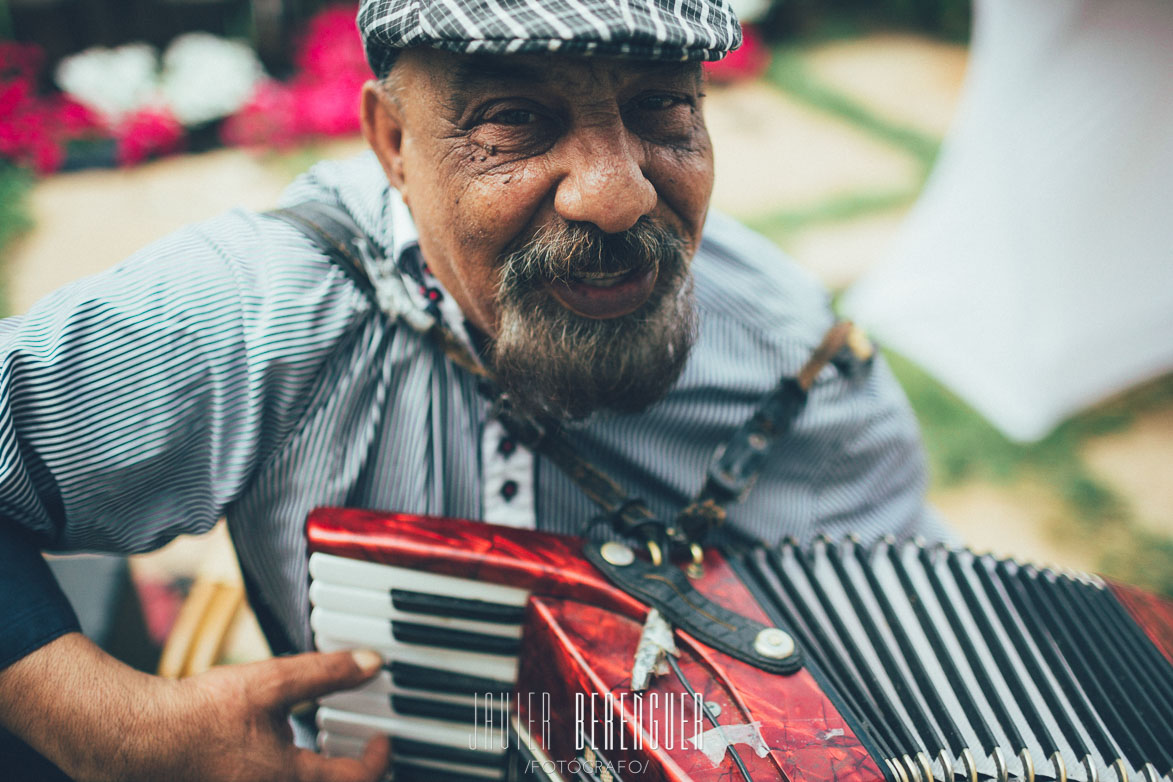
(736, 465)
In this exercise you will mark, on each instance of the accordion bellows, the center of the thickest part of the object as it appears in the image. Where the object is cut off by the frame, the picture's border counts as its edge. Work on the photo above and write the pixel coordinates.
(509, 656)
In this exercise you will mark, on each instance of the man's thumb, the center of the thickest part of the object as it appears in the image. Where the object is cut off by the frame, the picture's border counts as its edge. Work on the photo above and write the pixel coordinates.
(288, 680)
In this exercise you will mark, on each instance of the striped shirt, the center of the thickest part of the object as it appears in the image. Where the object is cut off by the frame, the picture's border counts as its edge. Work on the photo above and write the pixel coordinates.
(232, 369)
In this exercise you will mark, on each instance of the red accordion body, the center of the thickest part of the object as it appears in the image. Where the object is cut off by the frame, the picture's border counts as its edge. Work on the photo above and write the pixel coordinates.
(571, 693)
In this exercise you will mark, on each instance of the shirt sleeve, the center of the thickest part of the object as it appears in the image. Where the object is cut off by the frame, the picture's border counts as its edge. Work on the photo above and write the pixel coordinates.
(872, 481)
(135, 405)
(36, 611)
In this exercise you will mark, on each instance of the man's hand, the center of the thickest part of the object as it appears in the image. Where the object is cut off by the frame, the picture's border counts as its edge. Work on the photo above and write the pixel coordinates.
(100, 720)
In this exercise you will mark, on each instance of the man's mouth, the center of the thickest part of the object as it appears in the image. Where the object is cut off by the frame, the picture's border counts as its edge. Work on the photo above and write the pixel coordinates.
(605, 294)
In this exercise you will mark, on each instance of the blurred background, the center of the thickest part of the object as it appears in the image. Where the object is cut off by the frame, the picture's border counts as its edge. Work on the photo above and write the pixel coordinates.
(856, 135)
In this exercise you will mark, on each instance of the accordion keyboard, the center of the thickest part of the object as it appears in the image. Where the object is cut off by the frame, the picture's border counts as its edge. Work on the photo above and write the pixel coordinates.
(961, 664)
(918, 663)
(451, 646)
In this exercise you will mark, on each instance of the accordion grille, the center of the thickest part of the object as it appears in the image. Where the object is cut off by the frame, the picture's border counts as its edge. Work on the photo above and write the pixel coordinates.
(951, 662)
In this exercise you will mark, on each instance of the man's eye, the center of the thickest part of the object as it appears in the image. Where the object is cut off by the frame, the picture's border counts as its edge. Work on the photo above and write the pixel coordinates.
(661, 102)
(513, 117)
(662, 117)
(515, 129)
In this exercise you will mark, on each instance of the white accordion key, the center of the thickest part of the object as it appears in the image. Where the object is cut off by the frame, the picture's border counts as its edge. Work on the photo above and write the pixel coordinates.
(489, 741)
(368, 604)
(337, 745)
(373, 576)
(486, 665)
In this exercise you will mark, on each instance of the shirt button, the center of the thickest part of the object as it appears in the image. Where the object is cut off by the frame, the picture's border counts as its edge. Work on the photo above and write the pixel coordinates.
(509, 490)
(506, 447)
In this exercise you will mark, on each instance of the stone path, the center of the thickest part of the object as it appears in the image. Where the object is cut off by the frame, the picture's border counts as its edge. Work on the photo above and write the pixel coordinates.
(1136, 463)
(775, 154)
(910, 80)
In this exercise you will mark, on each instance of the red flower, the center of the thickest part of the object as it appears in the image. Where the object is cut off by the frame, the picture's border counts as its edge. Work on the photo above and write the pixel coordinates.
(269, 119)
(322, 99)
(747, 62)
(47, 155)
(20, 60)
(148, 133)
(327, 108)
(34, 130)
(75, 119)
(331, 46)
(14, 97)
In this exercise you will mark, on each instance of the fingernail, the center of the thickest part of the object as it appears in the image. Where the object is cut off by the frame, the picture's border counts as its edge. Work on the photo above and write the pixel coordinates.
(367, 660)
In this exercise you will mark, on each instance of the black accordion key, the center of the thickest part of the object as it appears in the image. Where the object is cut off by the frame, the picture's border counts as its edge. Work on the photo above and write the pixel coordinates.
(419, 677)
(446, 638)
(913, 699)
(1064, 738)
(954, 665)
(767, 580)
(1119, 666)
(456, 607)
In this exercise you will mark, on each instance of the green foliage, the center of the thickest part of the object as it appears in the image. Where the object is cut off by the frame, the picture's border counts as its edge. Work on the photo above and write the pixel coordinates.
(14, 220)
(962, 445)
(5, 21)
(14, 186)
(1141, 558)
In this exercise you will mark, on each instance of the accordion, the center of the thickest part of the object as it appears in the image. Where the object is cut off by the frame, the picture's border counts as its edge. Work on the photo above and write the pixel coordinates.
(510, 655)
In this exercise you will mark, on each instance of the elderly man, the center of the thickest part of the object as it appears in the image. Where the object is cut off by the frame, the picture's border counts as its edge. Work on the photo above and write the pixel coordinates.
(540, 178)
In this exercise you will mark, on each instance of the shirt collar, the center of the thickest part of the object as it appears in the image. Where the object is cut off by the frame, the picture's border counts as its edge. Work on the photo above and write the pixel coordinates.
(404, 235)
(404, 248)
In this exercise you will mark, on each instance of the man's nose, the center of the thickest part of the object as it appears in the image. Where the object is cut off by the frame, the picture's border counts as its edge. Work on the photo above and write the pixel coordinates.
(604, 183)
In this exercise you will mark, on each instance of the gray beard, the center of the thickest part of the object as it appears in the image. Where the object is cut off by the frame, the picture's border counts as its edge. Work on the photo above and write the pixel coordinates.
(552, 361)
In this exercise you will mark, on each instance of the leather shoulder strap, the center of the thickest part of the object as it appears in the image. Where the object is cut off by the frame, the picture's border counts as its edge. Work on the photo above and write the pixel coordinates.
(336, 234)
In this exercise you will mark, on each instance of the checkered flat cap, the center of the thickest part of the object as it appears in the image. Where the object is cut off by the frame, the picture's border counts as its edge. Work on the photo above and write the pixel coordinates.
(636, 29)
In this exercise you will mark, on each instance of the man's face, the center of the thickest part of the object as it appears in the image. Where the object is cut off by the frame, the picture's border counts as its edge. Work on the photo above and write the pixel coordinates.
(559, 200)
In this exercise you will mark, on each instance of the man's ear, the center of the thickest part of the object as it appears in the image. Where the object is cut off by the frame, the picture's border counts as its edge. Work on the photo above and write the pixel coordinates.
(382, 127)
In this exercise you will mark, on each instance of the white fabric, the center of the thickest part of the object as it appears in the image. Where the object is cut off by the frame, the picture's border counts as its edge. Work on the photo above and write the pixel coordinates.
(499, 469)
(1035, 275)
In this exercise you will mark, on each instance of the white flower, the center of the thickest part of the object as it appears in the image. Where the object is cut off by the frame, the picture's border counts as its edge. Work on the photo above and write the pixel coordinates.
(206, 77)
(112, 82)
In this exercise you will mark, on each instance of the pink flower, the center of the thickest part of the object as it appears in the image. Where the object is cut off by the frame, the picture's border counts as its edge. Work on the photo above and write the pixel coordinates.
(148, 133)
(327, 108)
(744, 63)
(322, 99)
(269, 119)
(331, 46)
(47, 155)
(20, 60)
(14, 97)
(75, 119)
(34, 130)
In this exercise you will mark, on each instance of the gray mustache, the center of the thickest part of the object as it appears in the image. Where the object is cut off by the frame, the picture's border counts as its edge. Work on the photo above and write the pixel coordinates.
(564, 250)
